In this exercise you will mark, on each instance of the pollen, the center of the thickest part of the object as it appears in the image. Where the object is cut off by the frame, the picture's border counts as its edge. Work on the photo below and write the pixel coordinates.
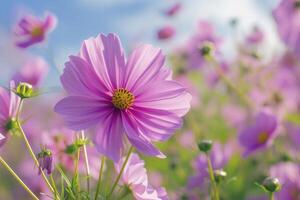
(37, 31)
(262, 138)
(122, 98)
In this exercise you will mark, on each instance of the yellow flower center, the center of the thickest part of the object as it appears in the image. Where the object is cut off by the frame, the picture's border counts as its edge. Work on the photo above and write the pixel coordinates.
(262, 138)
(122, 98)
(37, 31)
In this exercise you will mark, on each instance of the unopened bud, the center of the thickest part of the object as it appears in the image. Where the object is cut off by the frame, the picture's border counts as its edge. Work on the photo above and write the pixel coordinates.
(205, 145)
(45, 161)
(271, 184)
(207, 49)
(220, 175)
(24, 90)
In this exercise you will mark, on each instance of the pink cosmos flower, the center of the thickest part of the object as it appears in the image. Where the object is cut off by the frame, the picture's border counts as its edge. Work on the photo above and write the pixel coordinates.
(8, 104)
(134, 98)
(33, 72)
(31, 30)
(287, 17)
(260, 134)
(166, 32)
(135, 177)
(192, 49)
(173, 10)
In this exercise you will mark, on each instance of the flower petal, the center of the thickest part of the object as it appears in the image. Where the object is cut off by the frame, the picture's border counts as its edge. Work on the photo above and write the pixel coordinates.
(50, 22)
(2, 140)
(157, 125)
(83, 112)
(171, 97)
(109, 136)
(143, 66)
(137, 138)
(105, 54)
(79, 79)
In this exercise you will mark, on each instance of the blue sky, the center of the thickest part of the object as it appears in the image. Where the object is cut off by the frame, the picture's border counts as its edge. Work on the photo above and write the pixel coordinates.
(134, 20)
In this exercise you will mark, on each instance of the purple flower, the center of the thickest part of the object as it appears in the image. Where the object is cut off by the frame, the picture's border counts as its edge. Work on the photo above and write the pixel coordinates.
(134, 98)
(279, 92)
(165, 32)
(287, 17)
(288, 174)
(256, 36)
(135, 177)
(45, 161)
(260, 134)
(33, 72)
(9, 102)
(192, 50)
(31, 30)
(219, 157)
(174, 9)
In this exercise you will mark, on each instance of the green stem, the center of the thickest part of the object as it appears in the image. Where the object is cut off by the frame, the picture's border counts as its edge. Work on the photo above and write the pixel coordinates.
(214, 190)
(56, 194)
(100, 177)
(230, 84)
(272, 196)
(87, 165)
(29, 146)
(11, 171)
(120, 173)
(125, 193)
(76, 174)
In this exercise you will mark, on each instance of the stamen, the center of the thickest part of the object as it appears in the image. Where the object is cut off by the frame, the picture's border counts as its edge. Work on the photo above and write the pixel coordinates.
(122, 98)
(262, 138)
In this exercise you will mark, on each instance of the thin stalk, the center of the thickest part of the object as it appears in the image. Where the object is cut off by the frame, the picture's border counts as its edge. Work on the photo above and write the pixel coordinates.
(214, 190)
(11, 171)
(56, 194)
(125, 193)
(100, 177)
(120, 173)
(272, 196)
(87, 165)
(29, 148)
(62, 189)
(76, 174)
(230, 84)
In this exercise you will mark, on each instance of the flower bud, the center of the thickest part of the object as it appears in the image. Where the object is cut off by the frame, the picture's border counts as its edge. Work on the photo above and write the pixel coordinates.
(207, 49)
(24, 90)
(297, 4)
(11, 125)
(205, 145)
(71, 149)
(271, 184)
(220, 175)
(45, 161)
